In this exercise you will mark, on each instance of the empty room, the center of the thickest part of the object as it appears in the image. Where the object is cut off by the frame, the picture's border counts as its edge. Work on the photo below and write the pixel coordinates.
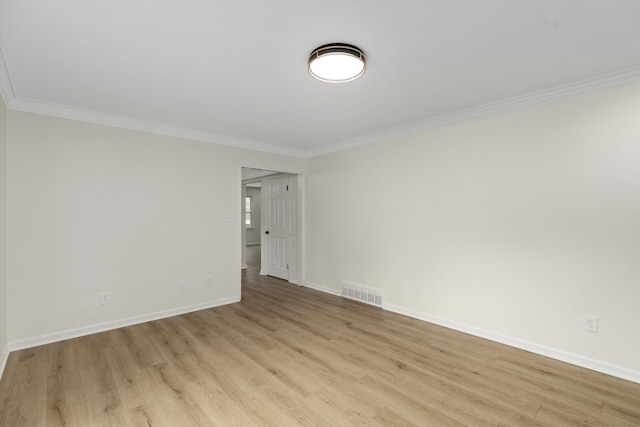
(319, 213)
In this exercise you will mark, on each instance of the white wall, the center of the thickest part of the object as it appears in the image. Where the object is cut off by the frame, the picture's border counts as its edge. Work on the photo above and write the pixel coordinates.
(3, 266)
(296, 221)
(92, 208)
(253, 234)
(513, 226)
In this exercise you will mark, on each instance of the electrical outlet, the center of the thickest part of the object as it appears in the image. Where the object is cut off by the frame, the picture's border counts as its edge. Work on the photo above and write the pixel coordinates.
(181, 287)
(210, 281)
(365, 278)
(591, 323)
(104, 298)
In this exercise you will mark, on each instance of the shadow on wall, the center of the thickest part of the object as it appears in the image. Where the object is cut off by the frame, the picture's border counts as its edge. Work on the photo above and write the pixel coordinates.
(254, 206)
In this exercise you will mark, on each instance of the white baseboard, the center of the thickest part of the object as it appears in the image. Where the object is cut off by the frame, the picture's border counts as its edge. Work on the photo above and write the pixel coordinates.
(322, 288)
(574, 359)
(4, 356)
(114, 324)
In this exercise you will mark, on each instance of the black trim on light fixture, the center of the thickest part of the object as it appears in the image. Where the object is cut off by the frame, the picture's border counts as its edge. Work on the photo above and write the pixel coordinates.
(337, 49)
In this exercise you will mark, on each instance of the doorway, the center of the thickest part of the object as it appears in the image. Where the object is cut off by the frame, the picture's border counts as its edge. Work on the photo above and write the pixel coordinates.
(271, 207)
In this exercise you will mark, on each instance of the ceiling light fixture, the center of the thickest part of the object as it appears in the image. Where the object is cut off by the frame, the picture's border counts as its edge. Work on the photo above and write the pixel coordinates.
(337, 63)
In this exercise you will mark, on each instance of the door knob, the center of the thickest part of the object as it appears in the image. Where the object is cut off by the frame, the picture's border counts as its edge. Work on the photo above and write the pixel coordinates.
(266, 232)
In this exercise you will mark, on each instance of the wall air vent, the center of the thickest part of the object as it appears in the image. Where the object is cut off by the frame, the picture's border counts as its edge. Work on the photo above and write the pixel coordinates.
(362, 293)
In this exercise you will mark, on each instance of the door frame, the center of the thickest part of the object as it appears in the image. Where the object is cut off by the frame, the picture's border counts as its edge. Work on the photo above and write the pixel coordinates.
(301, 216)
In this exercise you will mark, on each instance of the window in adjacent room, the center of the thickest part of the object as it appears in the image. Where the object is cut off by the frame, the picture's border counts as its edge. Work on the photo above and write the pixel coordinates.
(248, 221)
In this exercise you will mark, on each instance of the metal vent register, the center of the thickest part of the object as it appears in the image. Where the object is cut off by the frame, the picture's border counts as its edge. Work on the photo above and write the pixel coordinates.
(362, 293)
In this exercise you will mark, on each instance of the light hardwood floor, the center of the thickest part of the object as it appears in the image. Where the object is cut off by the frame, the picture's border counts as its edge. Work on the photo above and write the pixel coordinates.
(288, 355)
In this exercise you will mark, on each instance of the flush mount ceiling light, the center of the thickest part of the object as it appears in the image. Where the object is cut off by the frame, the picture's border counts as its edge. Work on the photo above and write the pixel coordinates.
(337, 63)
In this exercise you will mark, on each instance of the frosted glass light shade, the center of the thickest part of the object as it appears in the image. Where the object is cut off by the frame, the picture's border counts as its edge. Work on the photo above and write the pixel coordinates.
(337, 63)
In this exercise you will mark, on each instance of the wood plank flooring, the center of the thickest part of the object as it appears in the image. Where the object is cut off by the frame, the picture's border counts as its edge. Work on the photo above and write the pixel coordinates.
(288, 355)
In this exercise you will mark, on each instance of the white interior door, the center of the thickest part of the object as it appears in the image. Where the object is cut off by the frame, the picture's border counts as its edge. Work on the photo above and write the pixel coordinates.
(276, 227)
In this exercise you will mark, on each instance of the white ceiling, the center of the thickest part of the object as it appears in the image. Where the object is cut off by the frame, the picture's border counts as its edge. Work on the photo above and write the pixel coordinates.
(234, 72)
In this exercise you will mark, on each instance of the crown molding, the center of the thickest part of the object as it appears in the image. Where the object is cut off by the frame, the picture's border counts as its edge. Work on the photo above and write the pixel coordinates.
(6, 87)
(510, 105)
(88, 116)
(531, 100)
